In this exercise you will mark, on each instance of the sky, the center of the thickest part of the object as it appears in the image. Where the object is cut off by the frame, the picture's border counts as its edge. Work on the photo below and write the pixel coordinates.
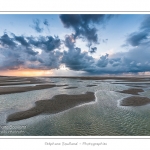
(74, 44)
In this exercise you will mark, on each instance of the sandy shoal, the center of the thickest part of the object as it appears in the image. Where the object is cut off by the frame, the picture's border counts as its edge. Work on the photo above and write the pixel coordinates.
(9, 90)
(90, 85)
(19, 81)
(132, 91)
(71, 87)
(135, 101)
(57, 104)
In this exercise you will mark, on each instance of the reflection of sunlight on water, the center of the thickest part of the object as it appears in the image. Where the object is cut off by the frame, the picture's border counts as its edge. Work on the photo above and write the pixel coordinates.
(104, 116)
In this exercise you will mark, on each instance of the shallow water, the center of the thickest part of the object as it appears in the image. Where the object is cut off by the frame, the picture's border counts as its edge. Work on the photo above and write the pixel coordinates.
(103, 117)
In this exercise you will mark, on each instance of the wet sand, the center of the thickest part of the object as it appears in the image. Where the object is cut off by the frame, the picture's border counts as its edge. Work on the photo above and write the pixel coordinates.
(23, 80)
(57, 104)
(135, 101)
(6, 81)
(9, 90)
(72, 87)
(122, 78)
(19, 81)
(91, 85)
(132, 91)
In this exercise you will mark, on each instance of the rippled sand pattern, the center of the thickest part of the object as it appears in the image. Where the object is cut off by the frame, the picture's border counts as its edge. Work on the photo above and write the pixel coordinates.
(102, 117)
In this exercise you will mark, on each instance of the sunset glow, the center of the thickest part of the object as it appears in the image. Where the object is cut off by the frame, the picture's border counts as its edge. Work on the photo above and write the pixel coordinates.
(26, 72)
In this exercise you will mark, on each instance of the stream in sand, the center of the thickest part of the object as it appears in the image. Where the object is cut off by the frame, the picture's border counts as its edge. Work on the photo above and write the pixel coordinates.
(105, 116)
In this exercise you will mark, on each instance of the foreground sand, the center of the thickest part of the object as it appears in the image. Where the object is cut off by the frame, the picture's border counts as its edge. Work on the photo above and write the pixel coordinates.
(63, 102)
(57, 104)
(9, 90)
(132, 91)
(135, 101)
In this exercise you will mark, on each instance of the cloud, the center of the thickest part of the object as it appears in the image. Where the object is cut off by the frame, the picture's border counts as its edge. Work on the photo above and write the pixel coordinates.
(10, 59)
(43, 52)
(20, 51)
(6, 41)
(84, 25)
(47, 43)
(105, 40)
(46, 23)
(36, 26)
(142, 35)
(21, 40)
(103, 61)
(93, 50)
(52, 60)
(145, 25)
(133, 61)
(137, 38)
(69, 41)
(74, 59)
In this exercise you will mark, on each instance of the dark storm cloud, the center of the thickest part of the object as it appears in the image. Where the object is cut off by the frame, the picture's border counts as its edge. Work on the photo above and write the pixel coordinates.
(115, 62)
(29, 51)
(17, 51)
(74, 58)
(48, 43)
(11, 64)
(36, 26)
(77, 60)
(134, 61)
(69, 41)
(141, 36)
(21, 40)
(52, 61)
(84, 24)
(137, 38)
(103, 61)
(10, 59)
(5, 40)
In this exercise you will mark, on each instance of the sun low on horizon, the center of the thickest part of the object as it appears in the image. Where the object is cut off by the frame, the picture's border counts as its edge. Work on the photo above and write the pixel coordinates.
(74, 44)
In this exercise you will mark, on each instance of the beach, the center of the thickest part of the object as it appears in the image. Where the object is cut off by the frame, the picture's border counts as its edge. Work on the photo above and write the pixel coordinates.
(76, 105)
